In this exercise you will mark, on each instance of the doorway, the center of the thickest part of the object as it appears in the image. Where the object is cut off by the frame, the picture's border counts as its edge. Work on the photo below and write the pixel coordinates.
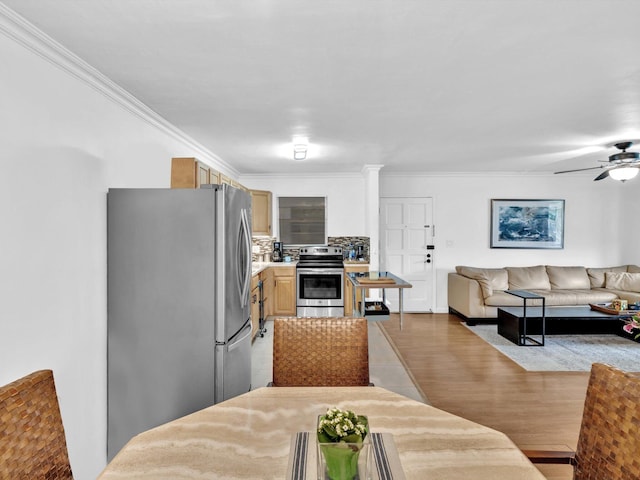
(406, 250)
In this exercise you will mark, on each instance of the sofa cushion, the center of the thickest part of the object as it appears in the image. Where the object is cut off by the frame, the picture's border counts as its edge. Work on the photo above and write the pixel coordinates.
(625, 281)
(553, 298)
(490, 279)
(578, 296)
(633, 269)
(502, 299)
(596, 275)
(527, 278)
(568, 278)
(631, 297)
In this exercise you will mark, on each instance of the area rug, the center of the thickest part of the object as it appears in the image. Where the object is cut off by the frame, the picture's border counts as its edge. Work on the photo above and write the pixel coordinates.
(565, 353)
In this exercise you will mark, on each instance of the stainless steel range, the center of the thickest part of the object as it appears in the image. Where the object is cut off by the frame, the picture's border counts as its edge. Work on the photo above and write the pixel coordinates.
(320, 282)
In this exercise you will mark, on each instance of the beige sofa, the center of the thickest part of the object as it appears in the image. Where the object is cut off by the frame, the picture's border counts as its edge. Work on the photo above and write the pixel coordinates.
(476, 293)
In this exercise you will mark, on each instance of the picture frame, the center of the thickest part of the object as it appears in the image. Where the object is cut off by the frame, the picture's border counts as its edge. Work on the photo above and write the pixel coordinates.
(527, 223)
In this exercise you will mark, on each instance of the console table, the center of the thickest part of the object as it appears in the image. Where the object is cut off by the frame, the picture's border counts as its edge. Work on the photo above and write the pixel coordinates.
(518, 335)
(382, 280)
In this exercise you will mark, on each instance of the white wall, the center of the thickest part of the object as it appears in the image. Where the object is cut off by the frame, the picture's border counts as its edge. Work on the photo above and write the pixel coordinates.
(630, 222)
(595, 215)
(345, 198)
(63, 145)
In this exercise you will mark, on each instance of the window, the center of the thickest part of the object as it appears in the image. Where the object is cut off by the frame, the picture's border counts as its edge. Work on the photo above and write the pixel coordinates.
(302, 220)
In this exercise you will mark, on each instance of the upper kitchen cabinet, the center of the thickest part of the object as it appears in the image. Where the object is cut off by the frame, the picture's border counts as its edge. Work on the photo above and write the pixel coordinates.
(239, 185)
(188, 172)
(261, 212)
(224, 179)
(214, 176)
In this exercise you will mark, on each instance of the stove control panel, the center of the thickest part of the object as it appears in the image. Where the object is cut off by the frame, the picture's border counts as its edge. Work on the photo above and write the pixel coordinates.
(321, 250)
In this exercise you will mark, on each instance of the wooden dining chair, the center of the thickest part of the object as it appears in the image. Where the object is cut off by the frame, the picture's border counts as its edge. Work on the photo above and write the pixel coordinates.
(32, 439)
(609, 439)
(320, 352)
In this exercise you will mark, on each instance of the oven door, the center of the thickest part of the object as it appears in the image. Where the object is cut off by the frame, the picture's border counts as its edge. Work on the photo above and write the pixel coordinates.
(320, 287)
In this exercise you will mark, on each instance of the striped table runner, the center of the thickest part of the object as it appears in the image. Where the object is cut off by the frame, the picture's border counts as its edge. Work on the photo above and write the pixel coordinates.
(303, 452)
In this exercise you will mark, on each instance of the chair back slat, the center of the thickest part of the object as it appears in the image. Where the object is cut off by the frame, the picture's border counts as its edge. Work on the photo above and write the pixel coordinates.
(320, 352)
(32, 439)
(609, 442)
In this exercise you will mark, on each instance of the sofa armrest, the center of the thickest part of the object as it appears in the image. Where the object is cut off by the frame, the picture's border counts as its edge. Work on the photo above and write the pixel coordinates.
(465, 296)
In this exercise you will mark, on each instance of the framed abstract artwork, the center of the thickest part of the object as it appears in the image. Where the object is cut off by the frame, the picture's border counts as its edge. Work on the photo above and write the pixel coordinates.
(527, 223)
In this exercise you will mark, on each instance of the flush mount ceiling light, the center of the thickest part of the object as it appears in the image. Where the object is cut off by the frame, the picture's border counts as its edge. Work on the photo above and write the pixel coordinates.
(300, 147)
(299, 151)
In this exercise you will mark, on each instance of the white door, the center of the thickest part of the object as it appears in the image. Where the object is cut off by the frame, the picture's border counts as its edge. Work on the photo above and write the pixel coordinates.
(406, 250)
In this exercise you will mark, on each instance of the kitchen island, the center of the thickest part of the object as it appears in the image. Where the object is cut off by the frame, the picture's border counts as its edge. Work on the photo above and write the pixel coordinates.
(381, 280)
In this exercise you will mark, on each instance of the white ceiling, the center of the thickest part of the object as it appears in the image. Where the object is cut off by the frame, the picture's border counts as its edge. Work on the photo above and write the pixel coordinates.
(415, 85)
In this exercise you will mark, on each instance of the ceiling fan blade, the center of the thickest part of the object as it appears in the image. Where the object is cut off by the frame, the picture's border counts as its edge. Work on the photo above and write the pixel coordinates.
(583, 169)
(603, 175)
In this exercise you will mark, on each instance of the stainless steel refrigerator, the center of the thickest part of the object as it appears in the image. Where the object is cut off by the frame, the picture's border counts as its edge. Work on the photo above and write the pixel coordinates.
(179, 275)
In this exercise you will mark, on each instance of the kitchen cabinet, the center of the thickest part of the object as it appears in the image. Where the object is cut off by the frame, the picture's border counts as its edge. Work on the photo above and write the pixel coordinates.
(261, 212)
(239, 185)
(267, 291)
(348, 288)
(284, 295)
(189, 172)
(214, 176)
(255, 305)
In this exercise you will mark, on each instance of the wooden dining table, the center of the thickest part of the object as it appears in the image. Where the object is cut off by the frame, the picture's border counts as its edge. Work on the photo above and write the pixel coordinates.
(250, 437)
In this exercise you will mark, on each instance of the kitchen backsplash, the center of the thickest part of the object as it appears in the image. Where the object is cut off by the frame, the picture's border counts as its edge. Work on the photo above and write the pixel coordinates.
(265, 245)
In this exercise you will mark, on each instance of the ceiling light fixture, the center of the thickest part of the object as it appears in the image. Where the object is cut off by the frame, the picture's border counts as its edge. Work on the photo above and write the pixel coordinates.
(623, 173)
(299, 151)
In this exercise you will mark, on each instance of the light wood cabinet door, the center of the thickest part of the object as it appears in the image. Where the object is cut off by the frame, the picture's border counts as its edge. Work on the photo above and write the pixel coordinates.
(189, 172)
(261, 212)
(348, 288)
(214, 176)
(284, 291)
(254, 299)
(267, 291)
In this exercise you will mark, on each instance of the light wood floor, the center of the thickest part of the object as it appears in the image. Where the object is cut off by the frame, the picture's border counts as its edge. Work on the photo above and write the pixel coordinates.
(460, 373)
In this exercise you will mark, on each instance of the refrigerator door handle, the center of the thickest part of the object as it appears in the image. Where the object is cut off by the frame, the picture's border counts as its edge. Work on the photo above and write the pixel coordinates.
(236, 341)
(244, 257)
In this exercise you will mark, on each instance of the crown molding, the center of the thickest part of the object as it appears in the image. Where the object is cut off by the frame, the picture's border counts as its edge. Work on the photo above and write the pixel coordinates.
(466, 174)
(24, 33)
(304, 176)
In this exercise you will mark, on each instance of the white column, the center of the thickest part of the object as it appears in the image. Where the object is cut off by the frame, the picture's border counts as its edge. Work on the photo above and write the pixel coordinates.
(371, 175)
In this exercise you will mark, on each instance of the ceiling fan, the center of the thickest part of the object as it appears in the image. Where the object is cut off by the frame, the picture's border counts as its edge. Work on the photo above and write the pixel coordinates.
(621, 166)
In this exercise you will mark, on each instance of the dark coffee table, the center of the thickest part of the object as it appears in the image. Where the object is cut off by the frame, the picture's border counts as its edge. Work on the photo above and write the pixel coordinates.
(558, 321)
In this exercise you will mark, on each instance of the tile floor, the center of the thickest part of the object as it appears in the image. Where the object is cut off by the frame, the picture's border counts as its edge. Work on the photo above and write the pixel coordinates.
(385, 369)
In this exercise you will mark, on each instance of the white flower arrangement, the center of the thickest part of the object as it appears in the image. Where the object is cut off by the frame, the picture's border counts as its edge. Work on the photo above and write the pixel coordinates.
(342, 426)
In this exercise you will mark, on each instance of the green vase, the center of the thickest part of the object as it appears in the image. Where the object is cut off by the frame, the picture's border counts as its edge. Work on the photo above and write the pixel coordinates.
(341, 460)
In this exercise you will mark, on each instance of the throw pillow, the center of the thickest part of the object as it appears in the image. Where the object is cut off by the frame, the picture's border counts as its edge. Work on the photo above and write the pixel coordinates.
(628, 282)
(596, 275)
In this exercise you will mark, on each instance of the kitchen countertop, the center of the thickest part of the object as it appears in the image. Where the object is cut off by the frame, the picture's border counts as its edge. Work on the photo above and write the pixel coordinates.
(257, 267)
